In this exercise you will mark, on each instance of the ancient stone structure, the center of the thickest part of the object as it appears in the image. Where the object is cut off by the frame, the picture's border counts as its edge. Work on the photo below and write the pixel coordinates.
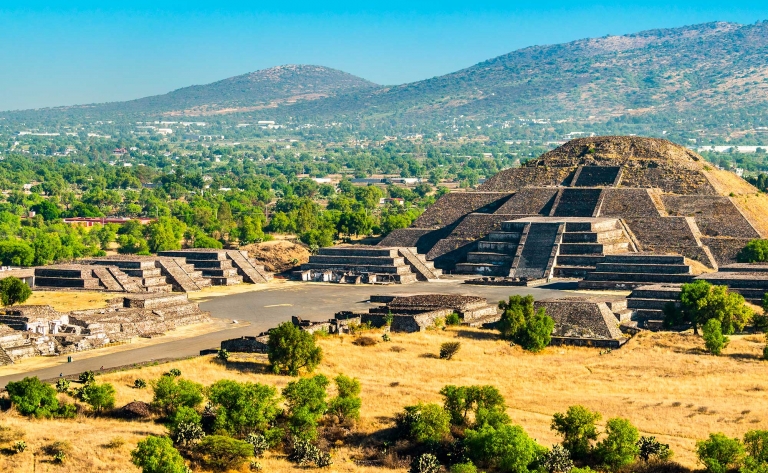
(222, 267)
(617, 194)
(586, 321)
(247, 344)
(637, 269)
(41, 330)
(647, 303)
(366, 264)
(749, 280)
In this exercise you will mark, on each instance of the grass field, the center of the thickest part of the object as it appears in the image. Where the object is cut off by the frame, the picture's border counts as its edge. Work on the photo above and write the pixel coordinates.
(663, 382)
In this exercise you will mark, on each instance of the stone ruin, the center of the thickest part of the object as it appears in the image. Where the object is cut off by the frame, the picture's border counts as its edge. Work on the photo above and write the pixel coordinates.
(586, 321)
(368, 265)
(41, 330)
(177, 271)
(578, 209)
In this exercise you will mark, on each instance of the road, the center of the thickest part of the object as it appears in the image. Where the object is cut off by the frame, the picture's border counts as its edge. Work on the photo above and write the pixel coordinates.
(268, 308)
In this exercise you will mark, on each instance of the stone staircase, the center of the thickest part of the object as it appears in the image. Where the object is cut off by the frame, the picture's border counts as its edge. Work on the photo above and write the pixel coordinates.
(596, 176)
(537, 251)
(424, 270)
(180, 277)
(5, 359)
(495, 252)
(637, 269)
(250, 272)
(586, 243)
(647, 303)
(214, 265)
(357, 264)
(577, 202)
(125, 281)
(106, 278)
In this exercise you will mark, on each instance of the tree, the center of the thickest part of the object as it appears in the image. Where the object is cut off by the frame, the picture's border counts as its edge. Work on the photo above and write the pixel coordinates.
(13, 290)
(700, 301)
(222, 453)
(16, 253)
(578, 429)
(158, 455)
(649, 448)
(242, 408)
(449, 349)
(485, 404)
(346, 404)
(756, 251)
(521, 323)
(507, 448)
(424, 423)
(170, 393)
(756, 447)
(100, 396)
(619, 447)
(32, 397)
(714, 340)
(48, 209)
(291, 349)
(185, 426)
(306, 402)
(165, 234)
(720, 453)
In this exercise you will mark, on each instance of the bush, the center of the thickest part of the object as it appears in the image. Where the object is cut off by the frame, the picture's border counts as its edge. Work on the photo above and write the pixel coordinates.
(424, 423)
(756, 251)
(520, 323)
(756, 447)
(171, 393)
(259, 442)
(619, 447)
(306, 402)
(364, 341)
(13, 291)
(651, 449)
(700, 301)
(557, 460)
(346, 405)
(99, 396)
(62, 385)
(223, 355)
(86, 377)
(426, 463)
(243, 407)
(19, 446)
(467, 467)
(185, 426)
(175, 372)
(59, 450)
(32, 397)
(485, 403)
(453, 319)
(139, 383)
(222, 453)
(577, 427)
(158, 455)
(506, 448)
(720, 453)
(449, 349)
(291, 350)
(714, 340)
(304, 453)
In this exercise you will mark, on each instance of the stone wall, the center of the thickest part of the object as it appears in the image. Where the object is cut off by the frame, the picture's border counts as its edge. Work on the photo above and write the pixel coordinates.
(715, 216)
(530, 201)
(623, 203)
(510, 180)
(246, 344)
(453, 206)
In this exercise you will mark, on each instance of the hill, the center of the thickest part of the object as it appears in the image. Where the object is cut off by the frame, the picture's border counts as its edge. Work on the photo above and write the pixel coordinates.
(259, 89)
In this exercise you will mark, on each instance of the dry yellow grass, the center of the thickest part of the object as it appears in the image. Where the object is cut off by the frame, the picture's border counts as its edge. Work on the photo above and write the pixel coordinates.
(65, 301)
(662, 382)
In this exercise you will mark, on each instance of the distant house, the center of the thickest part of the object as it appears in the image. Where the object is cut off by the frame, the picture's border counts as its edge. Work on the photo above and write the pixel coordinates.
(91, 221)
(393, 200)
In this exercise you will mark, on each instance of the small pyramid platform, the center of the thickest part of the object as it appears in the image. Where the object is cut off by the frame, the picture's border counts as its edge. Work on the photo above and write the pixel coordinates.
(368, 265)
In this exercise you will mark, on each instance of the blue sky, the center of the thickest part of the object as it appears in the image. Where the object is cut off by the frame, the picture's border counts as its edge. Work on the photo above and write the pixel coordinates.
(60, 53)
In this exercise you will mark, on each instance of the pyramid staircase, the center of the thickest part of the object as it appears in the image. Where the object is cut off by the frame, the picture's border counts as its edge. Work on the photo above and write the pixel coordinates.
(250, 271)
(424, 270)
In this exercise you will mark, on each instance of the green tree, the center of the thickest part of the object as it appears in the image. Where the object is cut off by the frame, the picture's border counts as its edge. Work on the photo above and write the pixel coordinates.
(243, 408)
(13, 291)
(513, 316)
(720, 453)
(700, 301)
(165, 234)
(620, 445)
(222, 453)
(32, 397)
(474, 405)
(536, 334)
(346, 404)
(158, 455)
(425, 423)
(507, 448)
(306, 402)
(578, 429)
(170, 393)
(714, 340)
(521, 323)
(100, 396)
(16, 253)
(291, 349)
(756, 251)
(756, 447)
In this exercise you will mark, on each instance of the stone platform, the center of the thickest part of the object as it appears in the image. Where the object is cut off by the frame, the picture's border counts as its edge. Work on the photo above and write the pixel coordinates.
(368, 264)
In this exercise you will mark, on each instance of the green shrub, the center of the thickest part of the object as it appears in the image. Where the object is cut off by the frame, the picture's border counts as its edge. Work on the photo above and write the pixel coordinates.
(185, 426)
(19, 446)
(306, 402)
(756, 447)
(259, 442)
(346, 405)
(700, 301)
(651, 449)
(290, 350)
(449, 349)
(175, 372)
(13, 291)
(305, 453)
(86, 377)
(223, 355)
(139, 383)
(32, 397)
(557, 460)
(158, 455)
(222, 453)
(99, 396)
(522, 324)
(243, 407)
(619, 447)
(714, 340)
(453, 319)
(425, 463)
(720, 453)
(171, 393)
(485, 404)
(756, 251)
(578, 429)
(62, 385)
(424, 423)
(506, 448)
